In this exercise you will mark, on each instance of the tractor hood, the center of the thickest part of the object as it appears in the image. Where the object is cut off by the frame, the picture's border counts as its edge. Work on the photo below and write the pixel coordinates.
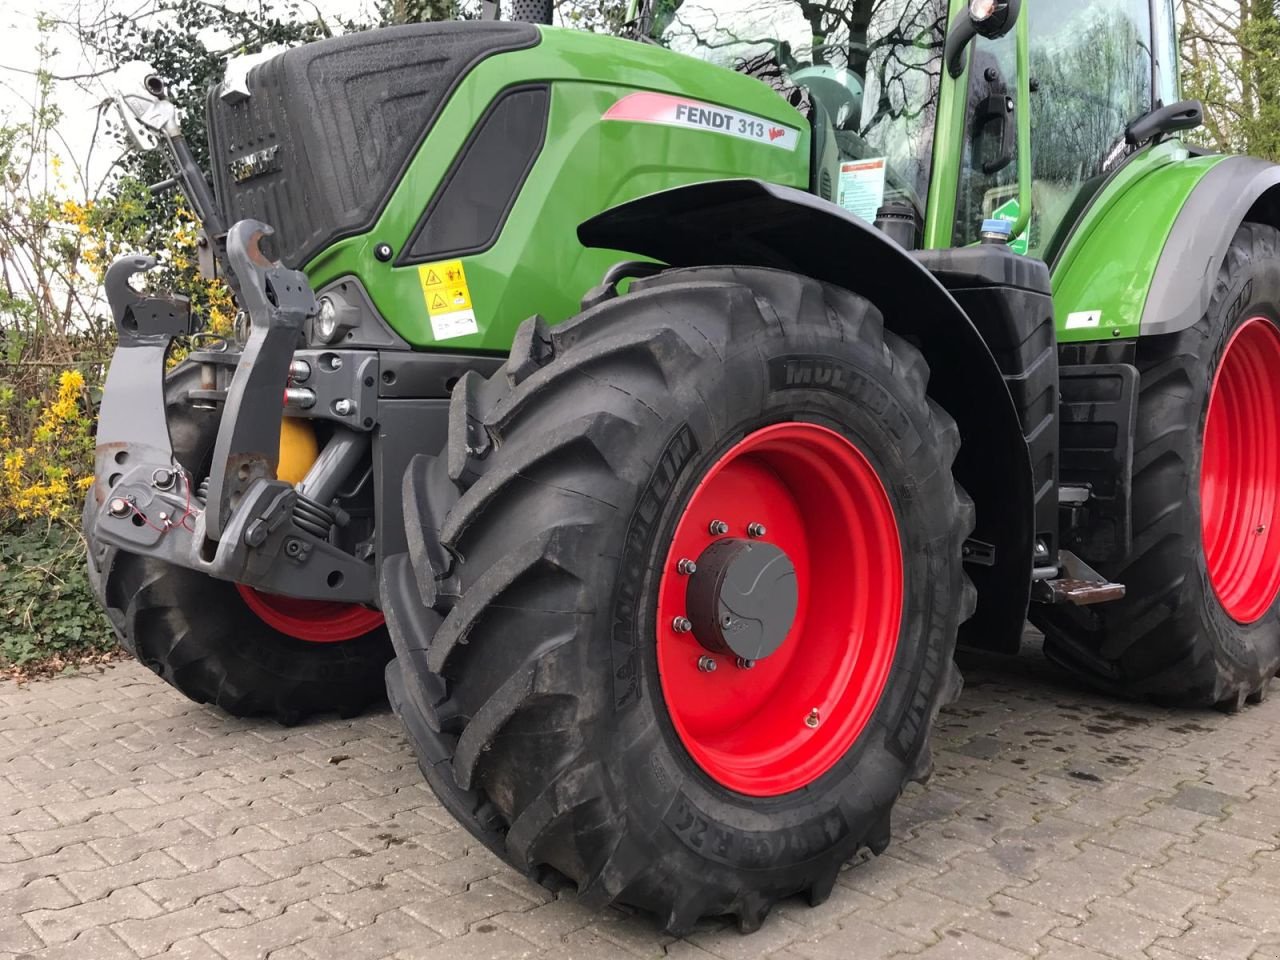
(326, 130)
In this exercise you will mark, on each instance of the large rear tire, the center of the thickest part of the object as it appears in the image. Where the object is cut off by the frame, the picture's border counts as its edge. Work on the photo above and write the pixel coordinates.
(218, 643)
(1200, 622)
(556, 706)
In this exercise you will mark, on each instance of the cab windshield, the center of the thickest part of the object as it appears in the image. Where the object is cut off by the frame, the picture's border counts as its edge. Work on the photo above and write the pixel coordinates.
(872, 67)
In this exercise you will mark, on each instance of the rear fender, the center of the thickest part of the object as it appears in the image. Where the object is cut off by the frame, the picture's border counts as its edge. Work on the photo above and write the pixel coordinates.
(752, 223)
(1144, 258)
(1236, 190)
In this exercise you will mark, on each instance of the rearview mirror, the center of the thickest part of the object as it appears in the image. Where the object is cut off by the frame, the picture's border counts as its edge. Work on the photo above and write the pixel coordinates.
(139, 98)
(990, 19)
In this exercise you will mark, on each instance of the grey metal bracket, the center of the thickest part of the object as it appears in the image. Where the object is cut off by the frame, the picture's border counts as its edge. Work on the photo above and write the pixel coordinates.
(154, 512)
(140, 318)
(278, 302)
(132, 426)
(339, 385)
(262, 545)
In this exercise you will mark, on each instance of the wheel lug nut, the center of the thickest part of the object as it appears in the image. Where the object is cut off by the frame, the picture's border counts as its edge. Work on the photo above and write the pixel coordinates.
(686, 567)
(813, 719)
(681, 624)
(718, 528)
(745, 664)
(755, 530)
(707, 664)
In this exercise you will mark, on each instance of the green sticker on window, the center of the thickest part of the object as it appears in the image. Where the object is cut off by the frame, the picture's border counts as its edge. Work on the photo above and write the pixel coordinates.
(1011, 210)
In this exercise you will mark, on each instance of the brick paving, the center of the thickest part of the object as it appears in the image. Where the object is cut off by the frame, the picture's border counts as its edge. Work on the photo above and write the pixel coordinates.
(1059, 825)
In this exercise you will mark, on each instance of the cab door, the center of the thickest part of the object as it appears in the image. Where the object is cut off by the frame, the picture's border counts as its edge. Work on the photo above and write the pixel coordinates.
(1092, 69)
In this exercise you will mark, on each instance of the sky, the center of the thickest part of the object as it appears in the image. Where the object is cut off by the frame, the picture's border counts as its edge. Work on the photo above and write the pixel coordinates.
(79, 100)
(20, 57)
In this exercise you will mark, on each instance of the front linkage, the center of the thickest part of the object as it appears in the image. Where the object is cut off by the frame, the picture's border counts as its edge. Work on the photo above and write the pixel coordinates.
(244, 525)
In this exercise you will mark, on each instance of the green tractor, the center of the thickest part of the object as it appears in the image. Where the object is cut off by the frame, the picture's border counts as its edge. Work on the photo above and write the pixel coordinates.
(681, 399)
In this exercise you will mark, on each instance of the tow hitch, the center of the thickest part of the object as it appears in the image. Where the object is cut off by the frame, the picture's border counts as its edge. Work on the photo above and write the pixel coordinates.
(242, 524)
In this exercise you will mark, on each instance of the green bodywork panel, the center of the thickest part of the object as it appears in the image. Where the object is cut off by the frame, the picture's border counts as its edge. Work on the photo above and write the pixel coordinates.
(586, 166)
(589, 164)
(1108, 263)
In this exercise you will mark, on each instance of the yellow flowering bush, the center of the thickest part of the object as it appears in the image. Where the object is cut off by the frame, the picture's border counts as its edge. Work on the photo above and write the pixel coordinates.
(59, 232)
(46, 451)
(52, 622)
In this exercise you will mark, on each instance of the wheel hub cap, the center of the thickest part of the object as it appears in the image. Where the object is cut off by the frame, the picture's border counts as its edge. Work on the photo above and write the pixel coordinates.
(742, 599)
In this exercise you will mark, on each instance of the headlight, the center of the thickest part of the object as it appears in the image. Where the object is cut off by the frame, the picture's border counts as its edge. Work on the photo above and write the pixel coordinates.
(326, 320)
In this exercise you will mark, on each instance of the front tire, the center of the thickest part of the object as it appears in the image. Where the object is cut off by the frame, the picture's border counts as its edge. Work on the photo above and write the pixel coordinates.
(536, 653)
(1200, 622)
(217, 642)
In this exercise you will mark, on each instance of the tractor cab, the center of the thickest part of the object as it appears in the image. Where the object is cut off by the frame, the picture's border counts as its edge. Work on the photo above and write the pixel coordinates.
(1039, 124)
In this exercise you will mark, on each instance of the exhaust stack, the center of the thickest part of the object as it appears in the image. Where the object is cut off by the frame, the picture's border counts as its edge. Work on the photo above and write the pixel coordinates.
(532, 11)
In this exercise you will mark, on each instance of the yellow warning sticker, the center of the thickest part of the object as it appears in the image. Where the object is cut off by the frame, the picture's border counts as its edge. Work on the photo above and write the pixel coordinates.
(448, 299)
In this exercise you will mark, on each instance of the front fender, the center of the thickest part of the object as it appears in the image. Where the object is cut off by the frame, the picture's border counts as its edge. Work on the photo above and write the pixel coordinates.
(752, 223)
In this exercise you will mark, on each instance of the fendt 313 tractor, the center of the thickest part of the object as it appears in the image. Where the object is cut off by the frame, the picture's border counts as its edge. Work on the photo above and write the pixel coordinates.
(680, 399)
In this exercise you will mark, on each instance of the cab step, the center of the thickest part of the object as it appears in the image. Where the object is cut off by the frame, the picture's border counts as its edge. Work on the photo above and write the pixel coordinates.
(1077, 583)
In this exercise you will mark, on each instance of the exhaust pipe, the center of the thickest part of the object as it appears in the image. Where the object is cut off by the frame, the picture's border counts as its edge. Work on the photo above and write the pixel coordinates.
(532, 11)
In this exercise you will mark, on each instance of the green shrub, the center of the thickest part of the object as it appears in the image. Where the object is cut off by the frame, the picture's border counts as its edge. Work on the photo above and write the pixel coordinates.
(51, 619)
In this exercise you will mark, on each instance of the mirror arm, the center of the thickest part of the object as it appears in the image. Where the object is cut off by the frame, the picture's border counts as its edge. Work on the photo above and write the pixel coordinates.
(961, 34)
(1176, 117)
(194, 186)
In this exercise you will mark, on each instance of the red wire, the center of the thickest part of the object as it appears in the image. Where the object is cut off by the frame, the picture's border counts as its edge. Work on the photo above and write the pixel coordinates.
(138, 513)
(187, 512)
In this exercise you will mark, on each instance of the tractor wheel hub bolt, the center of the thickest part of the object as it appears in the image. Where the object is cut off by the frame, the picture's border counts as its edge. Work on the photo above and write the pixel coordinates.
(717, 528)
(707, 664)
(686, 568)
(755, 530)
(681, 625)
(745, 664)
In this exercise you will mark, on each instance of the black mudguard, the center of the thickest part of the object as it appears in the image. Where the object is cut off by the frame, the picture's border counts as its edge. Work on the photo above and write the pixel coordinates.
(1235, 191)
(752, 223)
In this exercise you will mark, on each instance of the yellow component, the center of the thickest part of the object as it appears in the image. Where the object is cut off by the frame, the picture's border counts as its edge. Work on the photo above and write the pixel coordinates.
(299, 449)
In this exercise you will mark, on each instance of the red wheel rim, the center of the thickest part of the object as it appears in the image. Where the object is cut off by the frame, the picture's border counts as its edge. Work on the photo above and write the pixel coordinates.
(1240, 473)
(777, 727)
(315, 621)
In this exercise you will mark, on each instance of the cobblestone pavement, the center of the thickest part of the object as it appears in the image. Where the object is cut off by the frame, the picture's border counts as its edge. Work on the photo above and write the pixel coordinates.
(1059, 825)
